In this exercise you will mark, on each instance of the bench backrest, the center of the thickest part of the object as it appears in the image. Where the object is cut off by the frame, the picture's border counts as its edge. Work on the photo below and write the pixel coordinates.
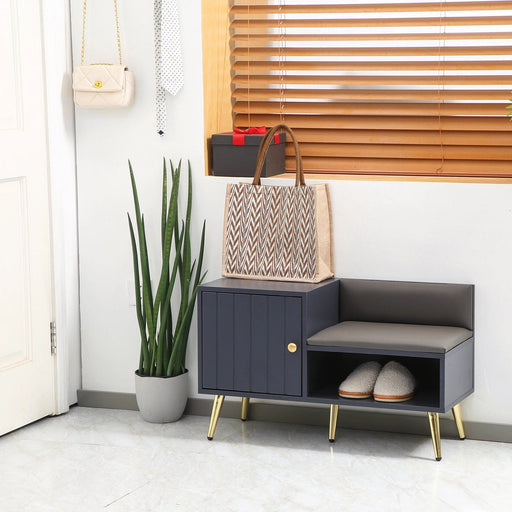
(407, 302)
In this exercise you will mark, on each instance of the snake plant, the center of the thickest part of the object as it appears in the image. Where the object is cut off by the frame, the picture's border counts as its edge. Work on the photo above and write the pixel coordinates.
(163, 331)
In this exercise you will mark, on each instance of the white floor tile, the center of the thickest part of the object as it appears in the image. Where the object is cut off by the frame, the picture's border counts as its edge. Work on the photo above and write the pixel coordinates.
(104, 460)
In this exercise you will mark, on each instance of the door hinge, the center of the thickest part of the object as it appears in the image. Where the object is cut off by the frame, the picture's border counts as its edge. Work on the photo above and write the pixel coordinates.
(53, 337)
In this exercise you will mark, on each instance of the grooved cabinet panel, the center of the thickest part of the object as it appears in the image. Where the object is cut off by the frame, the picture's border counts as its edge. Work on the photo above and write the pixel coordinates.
(258, 343)
(244, 343)
(209, 350)
(242, 331)
(225, 340)
(276, 345)
(292, 319)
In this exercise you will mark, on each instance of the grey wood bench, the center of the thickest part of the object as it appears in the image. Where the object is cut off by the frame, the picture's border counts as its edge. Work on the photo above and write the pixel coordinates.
(298, 341)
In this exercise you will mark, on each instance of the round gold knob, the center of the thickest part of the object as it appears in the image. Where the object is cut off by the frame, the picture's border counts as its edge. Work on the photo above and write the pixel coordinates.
(292, 347)
(98, 84)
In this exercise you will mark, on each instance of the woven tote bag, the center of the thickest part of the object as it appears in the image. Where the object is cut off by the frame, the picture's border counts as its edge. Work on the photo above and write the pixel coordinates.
(276, 232)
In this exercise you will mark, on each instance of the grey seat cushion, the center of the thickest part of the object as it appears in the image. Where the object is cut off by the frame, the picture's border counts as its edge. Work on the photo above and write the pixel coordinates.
(388, 336)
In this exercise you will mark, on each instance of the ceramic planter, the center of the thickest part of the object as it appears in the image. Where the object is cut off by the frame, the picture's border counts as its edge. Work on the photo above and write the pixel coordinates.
(161, 399)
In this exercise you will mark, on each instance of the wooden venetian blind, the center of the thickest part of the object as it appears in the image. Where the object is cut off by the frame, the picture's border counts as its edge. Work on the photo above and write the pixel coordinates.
(382, 87)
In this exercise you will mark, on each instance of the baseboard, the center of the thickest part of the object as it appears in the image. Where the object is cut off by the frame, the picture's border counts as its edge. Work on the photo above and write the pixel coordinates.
(107, 400)
(307, 415)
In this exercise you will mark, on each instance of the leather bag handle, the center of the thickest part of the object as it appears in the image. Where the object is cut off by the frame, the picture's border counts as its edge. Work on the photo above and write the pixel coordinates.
(262, 153)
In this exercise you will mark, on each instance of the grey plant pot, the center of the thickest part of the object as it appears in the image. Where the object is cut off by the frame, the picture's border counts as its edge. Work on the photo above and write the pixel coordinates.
(161, 399)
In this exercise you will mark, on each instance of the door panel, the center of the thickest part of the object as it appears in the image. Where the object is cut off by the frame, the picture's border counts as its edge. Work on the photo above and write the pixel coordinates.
(26, 300)
(244, 343)
(16, 346)
(9, 87)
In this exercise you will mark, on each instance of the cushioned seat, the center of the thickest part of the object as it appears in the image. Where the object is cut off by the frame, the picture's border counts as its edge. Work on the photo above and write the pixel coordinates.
(390, 336)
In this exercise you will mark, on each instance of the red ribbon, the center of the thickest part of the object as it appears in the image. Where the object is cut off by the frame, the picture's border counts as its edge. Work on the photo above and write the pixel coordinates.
(239, 135)
(238, 139)
(260, 130)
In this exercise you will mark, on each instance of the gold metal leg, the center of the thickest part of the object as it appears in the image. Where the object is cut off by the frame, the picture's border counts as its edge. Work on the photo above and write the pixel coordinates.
(433, 418)
(245, 408)
(217, 406)
(333, 420)
(457, 416)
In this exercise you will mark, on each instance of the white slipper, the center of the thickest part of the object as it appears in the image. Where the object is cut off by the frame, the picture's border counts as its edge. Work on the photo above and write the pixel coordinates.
(395, 383)
(360, 382)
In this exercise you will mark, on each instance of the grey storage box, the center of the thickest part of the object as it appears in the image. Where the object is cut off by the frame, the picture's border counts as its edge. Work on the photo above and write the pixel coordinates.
(235, 155)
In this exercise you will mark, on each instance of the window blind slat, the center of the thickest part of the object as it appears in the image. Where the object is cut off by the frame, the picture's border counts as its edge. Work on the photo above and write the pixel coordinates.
(242, 40)
(240, 8)
(257, 25)
(373, 150)
(422, 137)
(413, 167)
(338, 80)
(372, 94)
(473, 65)
(371, 109)
(465, 123)
(257, 54)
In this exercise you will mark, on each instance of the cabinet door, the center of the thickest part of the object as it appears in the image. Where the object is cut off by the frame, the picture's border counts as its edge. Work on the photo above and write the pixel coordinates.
(244, 343)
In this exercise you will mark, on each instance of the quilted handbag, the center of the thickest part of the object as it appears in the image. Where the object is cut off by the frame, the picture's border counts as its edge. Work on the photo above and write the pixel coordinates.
(277, 232)
(102, 85)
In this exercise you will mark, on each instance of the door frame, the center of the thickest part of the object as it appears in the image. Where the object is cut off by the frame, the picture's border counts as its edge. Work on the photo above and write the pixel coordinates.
(61, 165)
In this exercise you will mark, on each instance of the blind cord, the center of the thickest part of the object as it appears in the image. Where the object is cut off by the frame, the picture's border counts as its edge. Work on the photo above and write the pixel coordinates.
(282, 89)
(248, 66)
(441, 45)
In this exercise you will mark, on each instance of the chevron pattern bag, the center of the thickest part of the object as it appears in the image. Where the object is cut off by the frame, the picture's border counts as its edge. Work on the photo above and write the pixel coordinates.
(277, 232)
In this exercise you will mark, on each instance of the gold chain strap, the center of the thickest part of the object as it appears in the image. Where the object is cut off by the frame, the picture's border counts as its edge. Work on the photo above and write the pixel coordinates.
(117, 33)
(82, 53)
(84, 13)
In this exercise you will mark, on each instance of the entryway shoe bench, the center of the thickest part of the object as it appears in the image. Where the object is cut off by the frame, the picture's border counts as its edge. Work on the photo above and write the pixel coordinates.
(298, 341)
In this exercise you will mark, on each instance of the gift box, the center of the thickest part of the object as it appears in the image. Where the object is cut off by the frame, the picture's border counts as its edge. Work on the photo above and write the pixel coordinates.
(234, 153)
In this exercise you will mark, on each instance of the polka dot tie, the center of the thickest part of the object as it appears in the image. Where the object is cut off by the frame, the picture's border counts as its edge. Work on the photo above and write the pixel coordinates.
(168, 58)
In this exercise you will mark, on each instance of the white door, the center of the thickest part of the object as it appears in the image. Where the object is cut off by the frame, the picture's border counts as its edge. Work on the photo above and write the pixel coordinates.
(26, 299)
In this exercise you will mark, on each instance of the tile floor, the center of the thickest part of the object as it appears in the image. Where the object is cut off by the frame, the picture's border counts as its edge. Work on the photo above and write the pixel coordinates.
(99, 459)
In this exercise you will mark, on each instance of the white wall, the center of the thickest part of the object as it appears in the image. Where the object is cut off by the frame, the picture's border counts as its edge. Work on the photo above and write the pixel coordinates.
(452, 232)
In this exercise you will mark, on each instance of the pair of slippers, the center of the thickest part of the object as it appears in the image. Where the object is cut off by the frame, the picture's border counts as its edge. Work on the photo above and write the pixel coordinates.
(392, 382)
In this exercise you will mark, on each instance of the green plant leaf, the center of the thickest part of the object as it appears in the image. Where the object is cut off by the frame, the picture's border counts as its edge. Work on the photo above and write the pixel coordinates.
(144, 360)
(166, 249)
(140, 231)
(147, 297)
(164, 204)
(200, 259)
(176, 363)
(185, 274)
(147, 292)
(177, 227)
